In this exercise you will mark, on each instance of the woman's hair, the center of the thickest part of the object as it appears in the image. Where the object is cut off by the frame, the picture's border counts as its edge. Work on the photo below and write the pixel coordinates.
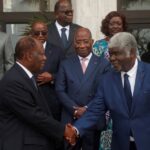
(106, 20)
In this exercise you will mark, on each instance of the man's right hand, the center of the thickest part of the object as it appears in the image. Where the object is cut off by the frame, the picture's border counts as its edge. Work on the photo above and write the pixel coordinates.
(70, 134)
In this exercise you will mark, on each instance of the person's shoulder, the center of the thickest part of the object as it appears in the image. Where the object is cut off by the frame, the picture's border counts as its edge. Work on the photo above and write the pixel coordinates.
(51, 26)
(3, 34)
(104, 60)
(10, 76)
(69, 60)
(52, 46)
(146, 57)
(100, 47)
(100, 42)
(144, 65)
(73, 25)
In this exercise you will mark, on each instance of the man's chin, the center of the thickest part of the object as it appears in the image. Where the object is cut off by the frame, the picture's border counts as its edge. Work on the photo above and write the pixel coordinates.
(117, 68)
(42, 65)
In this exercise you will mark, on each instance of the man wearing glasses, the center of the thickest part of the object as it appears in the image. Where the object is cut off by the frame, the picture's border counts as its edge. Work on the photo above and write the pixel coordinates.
(61, 32)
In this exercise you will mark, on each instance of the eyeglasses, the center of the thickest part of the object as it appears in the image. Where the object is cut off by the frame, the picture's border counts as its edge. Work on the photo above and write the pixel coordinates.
(37, 33)
(67, 12)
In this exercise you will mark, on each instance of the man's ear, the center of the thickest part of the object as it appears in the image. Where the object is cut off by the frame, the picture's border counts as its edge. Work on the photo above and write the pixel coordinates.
(28, 56)
(133, 52)
(56, 15)
(92, 41)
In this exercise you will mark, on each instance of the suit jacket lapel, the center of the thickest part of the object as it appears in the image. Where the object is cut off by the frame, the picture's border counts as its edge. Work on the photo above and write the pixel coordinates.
(47, 53)
(70, 39)
(90, 68)
(138, 83)
(28, 82)
(119, 86)
(77, 68)
(56, 36)
(94, 62)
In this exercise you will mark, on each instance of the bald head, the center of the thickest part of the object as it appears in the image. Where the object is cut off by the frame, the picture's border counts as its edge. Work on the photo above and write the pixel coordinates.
(83, 30)
(24, 45)
(61, 2)
(64, 12)
(30, 53)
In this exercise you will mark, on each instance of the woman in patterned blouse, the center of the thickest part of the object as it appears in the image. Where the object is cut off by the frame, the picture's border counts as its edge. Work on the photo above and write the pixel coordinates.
(113, 23)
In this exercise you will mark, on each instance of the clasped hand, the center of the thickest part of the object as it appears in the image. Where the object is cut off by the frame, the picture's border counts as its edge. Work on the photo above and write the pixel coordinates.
(70, 134)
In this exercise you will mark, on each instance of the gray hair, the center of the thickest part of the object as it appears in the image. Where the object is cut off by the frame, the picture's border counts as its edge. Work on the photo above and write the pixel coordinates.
(123, 40)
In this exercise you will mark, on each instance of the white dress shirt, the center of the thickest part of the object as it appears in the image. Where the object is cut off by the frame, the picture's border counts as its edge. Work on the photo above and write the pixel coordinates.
(132, 77)
(59, 27)
(30, 75)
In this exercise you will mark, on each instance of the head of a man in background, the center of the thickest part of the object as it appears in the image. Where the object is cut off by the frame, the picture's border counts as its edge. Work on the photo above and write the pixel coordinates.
(83, 42)
(63, 12)
(39, 31)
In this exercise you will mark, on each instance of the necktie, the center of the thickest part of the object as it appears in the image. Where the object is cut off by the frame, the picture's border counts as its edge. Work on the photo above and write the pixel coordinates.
(34, 82)
(127, 91)
(83, 64)
(64, 37)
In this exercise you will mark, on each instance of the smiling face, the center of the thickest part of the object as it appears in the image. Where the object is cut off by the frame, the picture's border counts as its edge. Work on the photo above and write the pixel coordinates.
(83, 42)
(64, 13)
(115, 25)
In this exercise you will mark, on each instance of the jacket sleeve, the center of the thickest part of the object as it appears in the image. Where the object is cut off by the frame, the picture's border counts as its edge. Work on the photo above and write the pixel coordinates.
(61, 89)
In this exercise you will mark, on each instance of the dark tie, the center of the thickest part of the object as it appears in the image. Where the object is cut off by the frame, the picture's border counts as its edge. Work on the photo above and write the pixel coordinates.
(34, 82)
(127, 91)
(64, 37)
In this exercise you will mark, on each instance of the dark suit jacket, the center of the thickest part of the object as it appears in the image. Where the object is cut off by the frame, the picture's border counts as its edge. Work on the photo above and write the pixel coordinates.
(146, 57)
(110, 96)
(54, 56)
(25, 120)
(54, 38)
(75, 88)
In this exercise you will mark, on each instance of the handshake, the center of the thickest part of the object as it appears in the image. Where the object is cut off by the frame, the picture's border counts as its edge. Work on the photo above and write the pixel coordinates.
(70, 134)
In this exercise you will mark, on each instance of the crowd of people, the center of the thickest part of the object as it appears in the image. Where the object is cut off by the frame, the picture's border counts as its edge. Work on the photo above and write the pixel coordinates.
(60, 90)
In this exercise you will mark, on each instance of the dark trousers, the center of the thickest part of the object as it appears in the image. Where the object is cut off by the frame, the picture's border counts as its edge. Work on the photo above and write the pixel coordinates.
(132, 146)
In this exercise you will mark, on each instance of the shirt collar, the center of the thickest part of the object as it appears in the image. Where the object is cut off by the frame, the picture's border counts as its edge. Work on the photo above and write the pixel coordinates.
(30, 75)
(59, 27)
(44, 45)
(88, 57)
(132, 71)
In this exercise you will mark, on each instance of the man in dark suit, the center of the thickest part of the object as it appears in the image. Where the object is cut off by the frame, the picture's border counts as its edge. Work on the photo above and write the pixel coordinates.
(26, 122)
(47, 75)
(76, 87)
(125, 91)
(64, 15)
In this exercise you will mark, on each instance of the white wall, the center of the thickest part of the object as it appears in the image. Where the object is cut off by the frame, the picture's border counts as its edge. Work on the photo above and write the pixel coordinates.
(89, 13)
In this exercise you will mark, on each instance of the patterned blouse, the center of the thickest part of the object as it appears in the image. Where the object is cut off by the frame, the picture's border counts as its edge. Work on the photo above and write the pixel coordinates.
(100, 48)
